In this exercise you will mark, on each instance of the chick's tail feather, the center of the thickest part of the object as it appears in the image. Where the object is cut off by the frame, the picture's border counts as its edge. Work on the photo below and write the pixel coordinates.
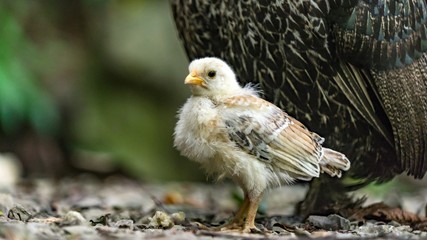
(333, 162)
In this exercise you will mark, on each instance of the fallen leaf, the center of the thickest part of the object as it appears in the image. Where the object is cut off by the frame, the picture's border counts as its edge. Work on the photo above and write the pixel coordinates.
(385, 213)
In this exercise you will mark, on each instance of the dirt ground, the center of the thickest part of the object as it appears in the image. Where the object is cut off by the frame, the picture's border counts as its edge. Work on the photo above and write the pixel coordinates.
(88, 208)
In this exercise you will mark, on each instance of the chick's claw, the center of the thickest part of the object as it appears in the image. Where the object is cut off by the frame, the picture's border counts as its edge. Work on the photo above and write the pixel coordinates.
(252, 230)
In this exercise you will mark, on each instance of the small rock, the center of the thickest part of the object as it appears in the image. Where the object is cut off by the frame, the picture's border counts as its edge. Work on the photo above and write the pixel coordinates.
(161, 220)
(332, 222)
(386, 231)
(178, 217)
(19, 213)
(371, 230)
(405, 228)
(73, 218)
(301, 232)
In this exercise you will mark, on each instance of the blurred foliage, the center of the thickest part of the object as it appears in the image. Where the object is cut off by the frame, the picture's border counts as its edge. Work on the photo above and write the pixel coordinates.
(105, 75)
(22, 99)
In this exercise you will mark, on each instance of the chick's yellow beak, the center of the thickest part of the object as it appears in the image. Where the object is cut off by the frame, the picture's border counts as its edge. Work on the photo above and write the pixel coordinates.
(194, 79)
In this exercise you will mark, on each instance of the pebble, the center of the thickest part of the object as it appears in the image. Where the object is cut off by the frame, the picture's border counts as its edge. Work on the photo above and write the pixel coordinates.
(385, 231)
(301, 232)
(73, 218)
(178, 217)
(332, 222)
(160, 220)
(19, 213)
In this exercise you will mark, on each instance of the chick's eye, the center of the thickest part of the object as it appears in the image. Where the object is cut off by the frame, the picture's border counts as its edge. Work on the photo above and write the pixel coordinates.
(211, 74)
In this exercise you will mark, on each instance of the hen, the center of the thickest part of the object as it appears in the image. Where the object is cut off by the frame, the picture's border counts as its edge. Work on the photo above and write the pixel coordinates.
(354, 70)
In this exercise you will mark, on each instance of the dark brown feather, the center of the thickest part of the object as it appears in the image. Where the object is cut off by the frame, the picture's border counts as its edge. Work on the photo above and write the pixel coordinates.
(332, 65)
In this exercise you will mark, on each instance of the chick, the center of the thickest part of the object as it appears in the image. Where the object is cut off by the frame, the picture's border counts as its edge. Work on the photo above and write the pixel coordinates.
(234, 133)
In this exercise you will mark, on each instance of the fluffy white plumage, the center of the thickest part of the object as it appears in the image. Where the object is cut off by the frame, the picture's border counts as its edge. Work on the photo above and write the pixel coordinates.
(233, 133)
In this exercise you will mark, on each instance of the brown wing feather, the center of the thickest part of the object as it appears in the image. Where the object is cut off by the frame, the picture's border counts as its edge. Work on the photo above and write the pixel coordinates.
(269, 134)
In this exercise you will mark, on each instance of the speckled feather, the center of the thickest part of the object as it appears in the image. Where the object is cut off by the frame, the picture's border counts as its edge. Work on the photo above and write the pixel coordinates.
(331, 64)
(269, 134)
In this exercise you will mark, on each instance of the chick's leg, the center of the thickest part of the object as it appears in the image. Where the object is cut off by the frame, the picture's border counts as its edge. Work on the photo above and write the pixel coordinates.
(241, 213)
(239, 218)
(249, 225)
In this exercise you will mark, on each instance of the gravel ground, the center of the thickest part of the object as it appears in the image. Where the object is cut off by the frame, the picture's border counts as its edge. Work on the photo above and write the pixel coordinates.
(88, 208)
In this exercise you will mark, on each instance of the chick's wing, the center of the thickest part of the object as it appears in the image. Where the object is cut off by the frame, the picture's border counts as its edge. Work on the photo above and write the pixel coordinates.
(263, 130)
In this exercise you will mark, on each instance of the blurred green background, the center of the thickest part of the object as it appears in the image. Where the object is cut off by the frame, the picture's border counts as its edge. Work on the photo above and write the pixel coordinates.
(92, 85)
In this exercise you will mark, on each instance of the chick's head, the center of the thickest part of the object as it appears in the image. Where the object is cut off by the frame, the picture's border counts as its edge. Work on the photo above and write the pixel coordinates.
(211, 77)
